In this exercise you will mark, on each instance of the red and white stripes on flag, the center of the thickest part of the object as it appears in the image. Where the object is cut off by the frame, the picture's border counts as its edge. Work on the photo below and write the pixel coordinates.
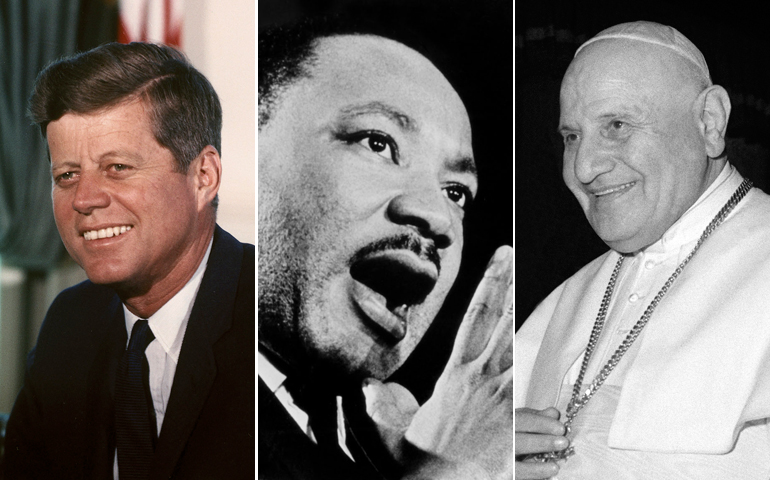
(157, 21)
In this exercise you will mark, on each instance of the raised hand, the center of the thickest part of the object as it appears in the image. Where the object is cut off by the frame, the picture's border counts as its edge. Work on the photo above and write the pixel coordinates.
(468, 419)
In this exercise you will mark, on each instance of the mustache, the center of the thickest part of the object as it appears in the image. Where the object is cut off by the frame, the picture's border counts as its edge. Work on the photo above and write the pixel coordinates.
(424, 249)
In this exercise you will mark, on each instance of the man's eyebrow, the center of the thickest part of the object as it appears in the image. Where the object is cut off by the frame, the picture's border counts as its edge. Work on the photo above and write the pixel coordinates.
(114, 155)
(65, 164)
(623, 113)
(463, 165)
(404, 121)
(118, 154)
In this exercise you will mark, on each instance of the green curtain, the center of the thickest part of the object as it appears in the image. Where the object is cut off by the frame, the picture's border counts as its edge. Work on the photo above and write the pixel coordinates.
(32, 34)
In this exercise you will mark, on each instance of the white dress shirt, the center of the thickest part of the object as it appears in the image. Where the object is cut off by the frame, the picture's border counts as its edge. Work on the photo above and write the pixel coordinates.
(169, 325)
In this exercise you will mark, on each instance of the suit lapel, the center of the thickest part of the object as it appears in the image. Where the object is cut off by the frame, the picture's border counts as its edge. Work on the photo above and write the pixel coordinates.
(285, 451)
(195, 373)
(100, 396)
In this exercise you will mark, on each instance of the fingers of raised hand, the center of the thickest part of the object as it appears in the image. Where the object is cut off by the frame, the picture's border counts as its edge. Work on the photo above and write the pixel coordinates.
(488, 323)
(498, 354)
(392, 408)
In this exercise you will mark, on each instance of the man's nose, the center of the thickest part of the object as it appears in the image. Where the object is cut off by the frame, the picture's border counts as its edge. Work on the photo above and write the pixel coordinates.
(427, 212)
(89, 193)
(592, 158)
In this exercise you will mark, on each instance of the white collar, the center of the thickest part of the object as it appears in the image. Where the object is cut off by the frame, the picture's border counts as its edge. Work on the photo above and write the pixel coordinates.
(167, 322)
(690, 226)
(272, 377)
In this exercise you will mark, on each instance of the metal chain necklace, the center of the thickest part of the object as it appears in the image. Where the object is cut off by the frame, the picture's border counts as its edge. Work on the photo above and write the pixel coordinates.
(578, 401)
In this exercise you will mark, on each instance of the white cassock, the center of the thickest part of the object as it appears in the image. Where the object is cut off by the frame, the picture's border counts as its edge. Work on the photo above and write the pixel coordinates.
(691, 398)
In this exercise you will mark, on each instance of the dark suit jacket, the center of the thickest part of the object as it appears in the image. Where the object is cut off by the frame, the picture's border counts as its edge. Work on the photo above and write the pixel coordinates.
(61, 425)
(286, 453)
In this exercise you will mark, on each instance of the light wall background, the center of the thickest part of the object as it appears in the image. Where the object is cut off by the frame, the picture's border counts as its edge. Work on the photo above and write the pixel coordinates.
(219, 39)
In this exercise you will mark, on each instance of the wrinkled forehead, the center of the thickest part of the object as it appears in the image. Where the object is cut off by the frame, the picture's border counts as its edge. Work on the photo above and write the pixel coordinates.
(618, 77)
(355, 56)
(366, 68)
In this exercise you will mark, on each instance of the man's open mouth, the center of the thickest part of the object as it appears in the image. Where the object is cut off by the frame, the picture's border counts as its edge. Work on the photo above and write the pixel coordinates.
(387, 284)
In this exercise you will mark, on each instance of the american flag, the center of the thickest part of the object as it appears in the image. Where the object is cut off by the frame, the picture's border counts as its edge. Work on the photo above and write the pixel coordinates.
(157, 21)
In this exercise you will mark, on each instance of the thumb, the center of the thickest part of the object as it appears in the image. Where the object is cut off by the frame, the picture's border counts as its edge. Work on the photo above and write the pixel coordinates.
(391, 408)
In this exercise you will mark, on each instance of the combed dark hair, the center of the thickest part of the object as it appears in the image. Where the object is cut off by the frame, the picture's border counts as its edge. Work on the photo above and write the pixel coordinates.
(185, 112)
(286, 53)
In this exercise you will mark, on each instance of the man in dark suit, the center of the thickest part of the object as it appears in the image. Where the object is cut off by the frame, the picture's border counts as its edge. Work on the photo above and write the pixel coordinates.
(146, 370)
(366, 169)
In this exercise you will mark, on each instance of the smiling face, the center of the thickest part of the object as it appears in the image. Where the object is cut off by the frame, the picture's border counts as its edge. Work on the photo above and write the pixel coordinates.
(634, 154)
(123, 211)
(364, 170)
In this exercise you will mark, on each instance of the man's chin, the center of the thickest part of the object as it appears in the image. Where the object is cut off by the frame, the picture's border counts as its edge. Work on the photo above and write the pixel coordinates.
(100, 276)
(363, 356)
(114, 278)
(100, 269)
(356, 333)
(618, 237)
(629, 244)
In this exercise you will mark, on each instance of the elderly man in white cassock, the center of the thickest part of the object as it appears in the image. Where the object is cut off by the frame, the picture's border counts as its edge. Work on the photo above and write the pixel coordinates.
(653, 361)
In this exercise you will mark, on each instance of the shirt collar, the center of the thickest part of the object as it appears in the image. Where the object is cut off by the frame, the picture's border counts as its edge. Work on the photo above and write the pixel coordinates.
(166, 324)
(691, 225)
(272, 377)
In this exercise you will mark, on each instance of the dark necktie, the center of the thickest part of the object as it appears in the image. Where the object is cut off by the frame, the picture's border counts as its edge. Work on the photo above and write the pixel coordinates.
(135, 433)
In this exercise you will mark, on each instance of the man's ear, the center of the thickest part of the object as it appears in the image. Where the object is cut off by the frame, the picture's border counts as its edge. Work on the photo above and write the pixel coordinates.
(207, 172)
(714, 112)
